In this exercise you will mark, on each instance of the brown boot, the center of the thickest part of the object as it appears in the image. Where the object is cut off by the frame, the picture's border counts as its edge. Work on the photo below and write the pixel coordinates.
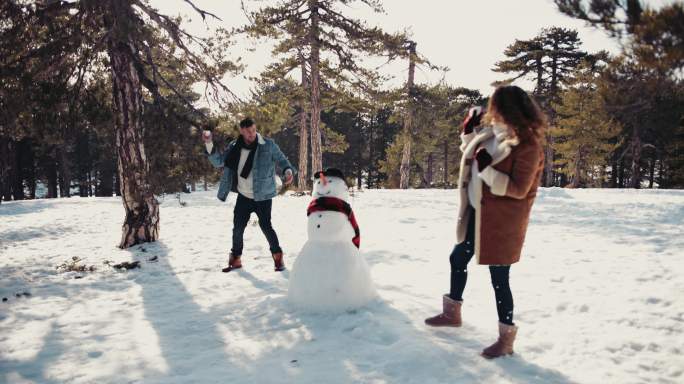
(450, 316)
(278, 261)
(503, 346)
(234, 262)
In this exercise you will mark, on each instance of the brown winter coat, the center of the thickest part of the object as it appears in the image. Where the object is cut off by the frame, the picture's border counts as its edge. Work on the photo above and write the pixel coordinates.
(509, 187)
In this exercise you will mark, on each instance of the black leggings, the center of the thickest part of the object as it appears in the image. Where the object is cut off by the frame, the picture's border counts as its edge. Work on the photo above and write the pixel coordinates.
(459, 259)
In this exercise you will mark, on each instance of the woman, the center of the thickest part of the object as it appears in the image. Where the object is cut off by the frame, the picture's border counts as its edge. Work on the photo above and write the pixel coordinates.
(500, 170)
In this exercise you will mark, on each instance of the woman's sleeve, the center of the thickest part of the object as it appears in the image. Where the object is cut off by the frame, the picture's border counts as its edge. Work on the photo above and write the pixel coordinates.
(466, 139)
(518, 184)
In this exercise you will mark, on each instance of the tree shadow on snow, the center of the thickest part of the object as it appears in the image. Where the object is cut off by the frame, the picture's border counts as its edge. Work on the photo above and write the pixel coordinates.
(374, 343)
(22, 207)
(270, 341)
(187, 334)
(8, 238)
(37, 368)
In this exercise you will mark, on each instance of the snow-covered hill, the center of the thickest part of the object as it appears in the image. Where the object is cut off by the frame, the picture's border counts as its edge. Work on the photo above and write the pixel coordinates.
(598, 295)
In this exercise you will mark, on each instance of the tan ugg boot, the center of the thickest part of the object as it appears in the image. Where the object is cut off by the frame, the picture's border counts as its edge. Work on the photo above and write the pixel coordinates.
(234, 262)
(278, 262)
(450, 316)
(504, 345)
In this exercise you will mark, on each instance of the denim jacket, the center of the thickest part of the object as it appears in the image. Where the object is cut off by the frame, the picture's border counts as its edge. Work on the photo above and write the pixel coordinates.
(266, 157)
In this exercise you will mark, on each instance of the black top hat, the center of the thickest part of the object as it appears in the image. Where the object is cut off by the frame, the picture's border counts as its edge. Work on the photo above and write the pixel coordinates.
(334, 172)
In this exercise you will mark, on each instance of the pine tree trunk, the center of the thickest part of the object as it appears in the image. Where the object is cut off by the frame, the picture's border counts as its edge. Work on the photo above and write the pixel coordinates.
(614, 173)
(5, 169)
(141, 223)
(548, 163)
(428, 176)
(446, 163)
(314, 43)
(371, 154)
(17, 175)
(577, 176)
(651, 171)
(359, 151)
(303, 175)
(540, 76)
(105, 185)
(636, 160)
(50, 166)
(117, 181)
(64, 172)
(405, 168)
(661, 176)
(28, 165)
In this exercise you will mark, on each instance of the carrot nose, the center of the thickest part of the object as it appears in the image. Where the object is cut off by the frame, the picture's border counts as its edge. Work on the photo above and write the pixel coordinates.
(324, 179)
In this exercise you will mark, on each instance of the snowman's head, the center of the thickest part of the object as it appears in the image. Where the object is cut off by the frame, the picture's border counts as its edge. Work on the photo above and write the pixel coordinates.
(330, 183)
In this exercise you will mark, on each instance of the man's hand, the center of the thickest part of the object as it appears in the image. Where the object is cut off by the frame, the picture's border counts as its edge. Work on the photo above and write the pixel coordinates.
(484, 159)
(472, 120)
(289, 177)
(206, 136)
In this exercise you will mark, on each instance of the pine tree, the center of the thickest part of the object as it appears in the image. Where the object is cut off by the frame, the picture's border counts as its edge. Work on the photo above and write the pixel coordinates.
(317, 38)
(438, 112)
(584, 132)
(125, 31)
(548, 59)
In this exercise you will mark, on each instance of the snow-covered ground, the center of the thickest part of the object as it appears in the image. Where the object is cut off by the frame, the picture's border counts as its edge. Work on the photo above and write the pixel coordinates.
(598, 296)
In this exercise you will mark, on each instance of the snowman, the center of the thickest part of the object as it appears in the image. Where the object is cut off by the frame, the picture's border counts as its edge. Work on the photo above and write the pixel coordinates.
(330, 274)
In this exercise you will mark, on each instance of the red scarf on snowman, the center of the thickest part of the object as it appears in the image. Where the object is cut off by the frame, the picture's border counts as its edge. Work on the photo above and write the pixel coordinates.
(336, 205)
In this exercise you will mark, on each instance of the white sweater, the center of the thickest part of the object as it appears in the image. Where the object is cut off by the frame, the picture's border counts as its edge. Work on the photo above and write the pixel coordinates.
(244, 186)
(492, 145)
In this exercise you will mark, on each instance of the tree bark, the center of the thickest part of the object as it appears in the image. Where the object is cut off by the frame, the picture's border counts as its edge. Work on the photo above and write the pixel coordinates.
(303, 175)
(141, 223)
(17, 175)
(117, 181)
(64, 172)
(651, 171)
(359, 151)
(50, 166)
(636, 160)
(5, 168)
(661, 177)
(314, 62)
(28, 166)
(371, 154)
(405, 168)
(577, 177)
(428, 176)
(446, 163)
(105, 185)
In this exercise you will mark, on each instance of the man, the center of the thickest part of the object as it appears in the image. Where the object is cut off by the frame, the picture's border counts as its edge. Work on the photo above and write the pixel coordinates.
(249, 170)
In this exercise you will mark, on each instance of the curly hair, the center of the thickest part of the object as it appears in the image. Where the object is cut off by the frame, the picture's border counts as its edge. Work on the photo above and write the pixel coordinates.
(512, 106)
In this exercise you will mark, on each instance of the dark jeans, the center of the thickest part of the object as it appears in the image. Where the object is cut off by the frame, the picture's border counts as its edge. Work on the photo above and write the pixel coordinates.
(459, 259)
(244, 207)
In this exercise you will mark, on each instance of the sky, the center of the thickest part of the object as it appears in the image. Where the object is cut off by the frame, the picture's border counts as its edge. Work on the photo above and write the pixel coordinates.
(469, 37)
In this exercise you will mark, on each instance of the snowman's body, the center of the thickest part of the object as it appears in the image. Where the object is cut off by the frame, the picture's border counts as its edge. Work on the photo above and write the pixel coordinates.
(330, 274)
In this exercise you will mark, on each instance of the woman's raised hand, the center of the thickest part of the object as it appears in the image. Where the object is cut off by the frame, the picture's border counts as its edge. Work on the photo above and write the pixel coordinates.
(472, 120)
